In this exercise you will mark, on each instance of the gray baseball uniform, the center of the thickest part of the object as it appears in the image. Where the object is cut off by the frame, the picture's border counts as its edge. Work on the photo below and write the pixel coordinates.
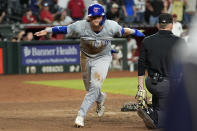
(95, 57)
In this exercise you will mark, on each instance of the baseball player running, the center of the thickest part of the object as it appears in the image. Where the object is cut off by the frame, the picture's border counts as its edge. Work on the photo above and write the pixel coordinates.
(95, 43)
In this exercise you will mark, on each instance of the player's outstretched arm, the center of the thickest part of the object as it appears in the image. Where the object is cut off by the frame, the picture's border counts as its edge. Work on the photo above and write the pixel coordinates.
(41, 33)
(56, 30)
(134, 32)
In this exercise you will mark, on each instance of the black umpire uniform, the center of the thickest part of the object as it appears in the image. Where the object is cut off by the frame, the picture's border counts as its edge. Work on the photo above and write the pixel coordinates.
(156, 57)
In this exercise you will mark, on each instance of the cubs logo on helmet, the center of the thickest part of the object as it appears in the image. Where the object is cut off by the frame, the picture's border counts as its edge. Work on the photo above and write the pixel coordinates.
(95, 10)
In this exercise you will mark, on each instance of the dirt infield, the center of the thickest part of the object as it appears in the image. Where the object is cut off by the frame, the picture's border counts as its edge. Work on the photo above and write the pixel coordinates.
(26, 107)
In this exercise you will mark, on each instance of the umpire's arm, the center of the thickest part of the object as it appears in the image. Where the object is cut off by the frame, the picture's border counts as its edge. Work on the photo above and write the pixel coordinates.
(141, 66)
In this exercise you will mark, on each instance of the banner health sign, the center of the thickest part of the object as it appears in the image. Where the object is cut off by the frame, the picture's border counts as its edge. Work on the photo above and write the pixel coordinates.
(50, 54)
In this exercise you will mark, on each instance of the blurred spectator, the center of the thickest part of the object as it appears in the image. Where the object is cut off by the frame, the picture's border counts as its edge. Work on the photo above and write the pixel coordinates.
(2, 17)
(35, 6)
(177, 8)
(190, 9)
(110, 2)
(129, 11)
(22, 36)
(147, 12)
(28, 18)
(140, 9)
(165, 6)
(29, 36)
(62, 19)
(76, 9)
(19, 37)
(14, 39)
(116, 56)
(116, 62)
(102, 2)
(155, 7)
(113, 13)
(177, 26)
(119, 2)
(120, 10)
(53, 6)
(131, 50)
(63, 3)
(168, 6)
(58, 20)
(45, 15)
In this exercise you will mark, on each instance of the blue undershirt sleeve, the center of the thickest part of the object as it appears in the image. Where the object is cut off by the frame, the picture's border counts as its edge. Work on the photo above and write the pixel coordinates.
(122, 31)
(59, 30)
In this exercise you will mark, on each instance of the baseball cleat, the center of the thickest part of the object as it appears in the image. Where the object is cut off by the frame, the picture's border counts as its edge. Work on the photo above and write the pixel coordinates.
(79, 122)
(146, 118)
(100, 106)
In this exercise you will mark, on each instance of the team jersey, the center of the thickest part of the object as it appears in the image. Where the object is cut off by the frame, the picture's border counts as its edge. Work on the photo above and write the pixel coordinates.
(95, 44)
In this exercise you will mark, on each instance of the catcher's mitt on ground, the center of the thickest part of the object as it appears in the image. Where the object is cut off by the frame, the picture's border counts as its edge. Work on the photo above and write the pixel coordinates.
(130, 106)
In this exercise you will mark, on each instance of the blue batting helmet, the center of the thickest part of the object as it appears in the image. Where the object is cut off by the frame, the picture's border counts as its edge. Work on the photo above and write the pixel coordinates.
(97, 10)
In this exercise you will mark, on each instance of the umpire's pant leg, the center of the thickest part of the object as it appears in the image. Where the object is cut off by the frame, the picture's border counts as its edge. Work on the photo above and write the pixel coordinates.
(163, 89)
(153, 90)
(160, 94)
(163, 94)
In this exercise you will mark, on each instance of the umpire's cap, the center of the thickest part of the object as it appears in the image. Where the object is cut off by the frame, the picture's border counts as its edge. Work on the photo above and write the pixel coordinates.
(96, 10)
(165, 18)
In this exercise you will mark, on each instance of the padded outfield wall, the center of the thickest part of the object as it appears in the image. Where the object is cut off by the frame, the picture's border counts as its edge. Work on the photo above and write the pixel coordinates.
(46, 56)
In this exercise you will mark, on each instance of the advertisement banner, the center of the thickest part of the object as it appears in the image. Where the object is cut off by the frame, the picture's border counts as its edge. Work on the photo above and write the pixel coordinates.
(50, 54)
(1, 61)
(34, 69)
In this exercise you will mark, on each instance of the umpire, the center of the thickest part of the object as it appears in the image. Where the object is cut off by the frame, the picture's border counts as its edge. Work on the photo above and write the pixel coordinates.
(156, 57)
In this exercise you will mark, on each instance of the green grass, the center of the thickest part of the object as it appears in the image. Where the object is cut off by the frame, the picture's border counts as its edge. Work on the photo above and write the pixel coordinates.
(124, 86)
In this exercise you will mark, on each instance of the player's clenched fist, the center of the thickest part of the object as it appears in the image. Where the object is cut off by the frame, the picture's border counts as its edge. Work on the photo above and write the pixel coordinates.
(41, 33)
